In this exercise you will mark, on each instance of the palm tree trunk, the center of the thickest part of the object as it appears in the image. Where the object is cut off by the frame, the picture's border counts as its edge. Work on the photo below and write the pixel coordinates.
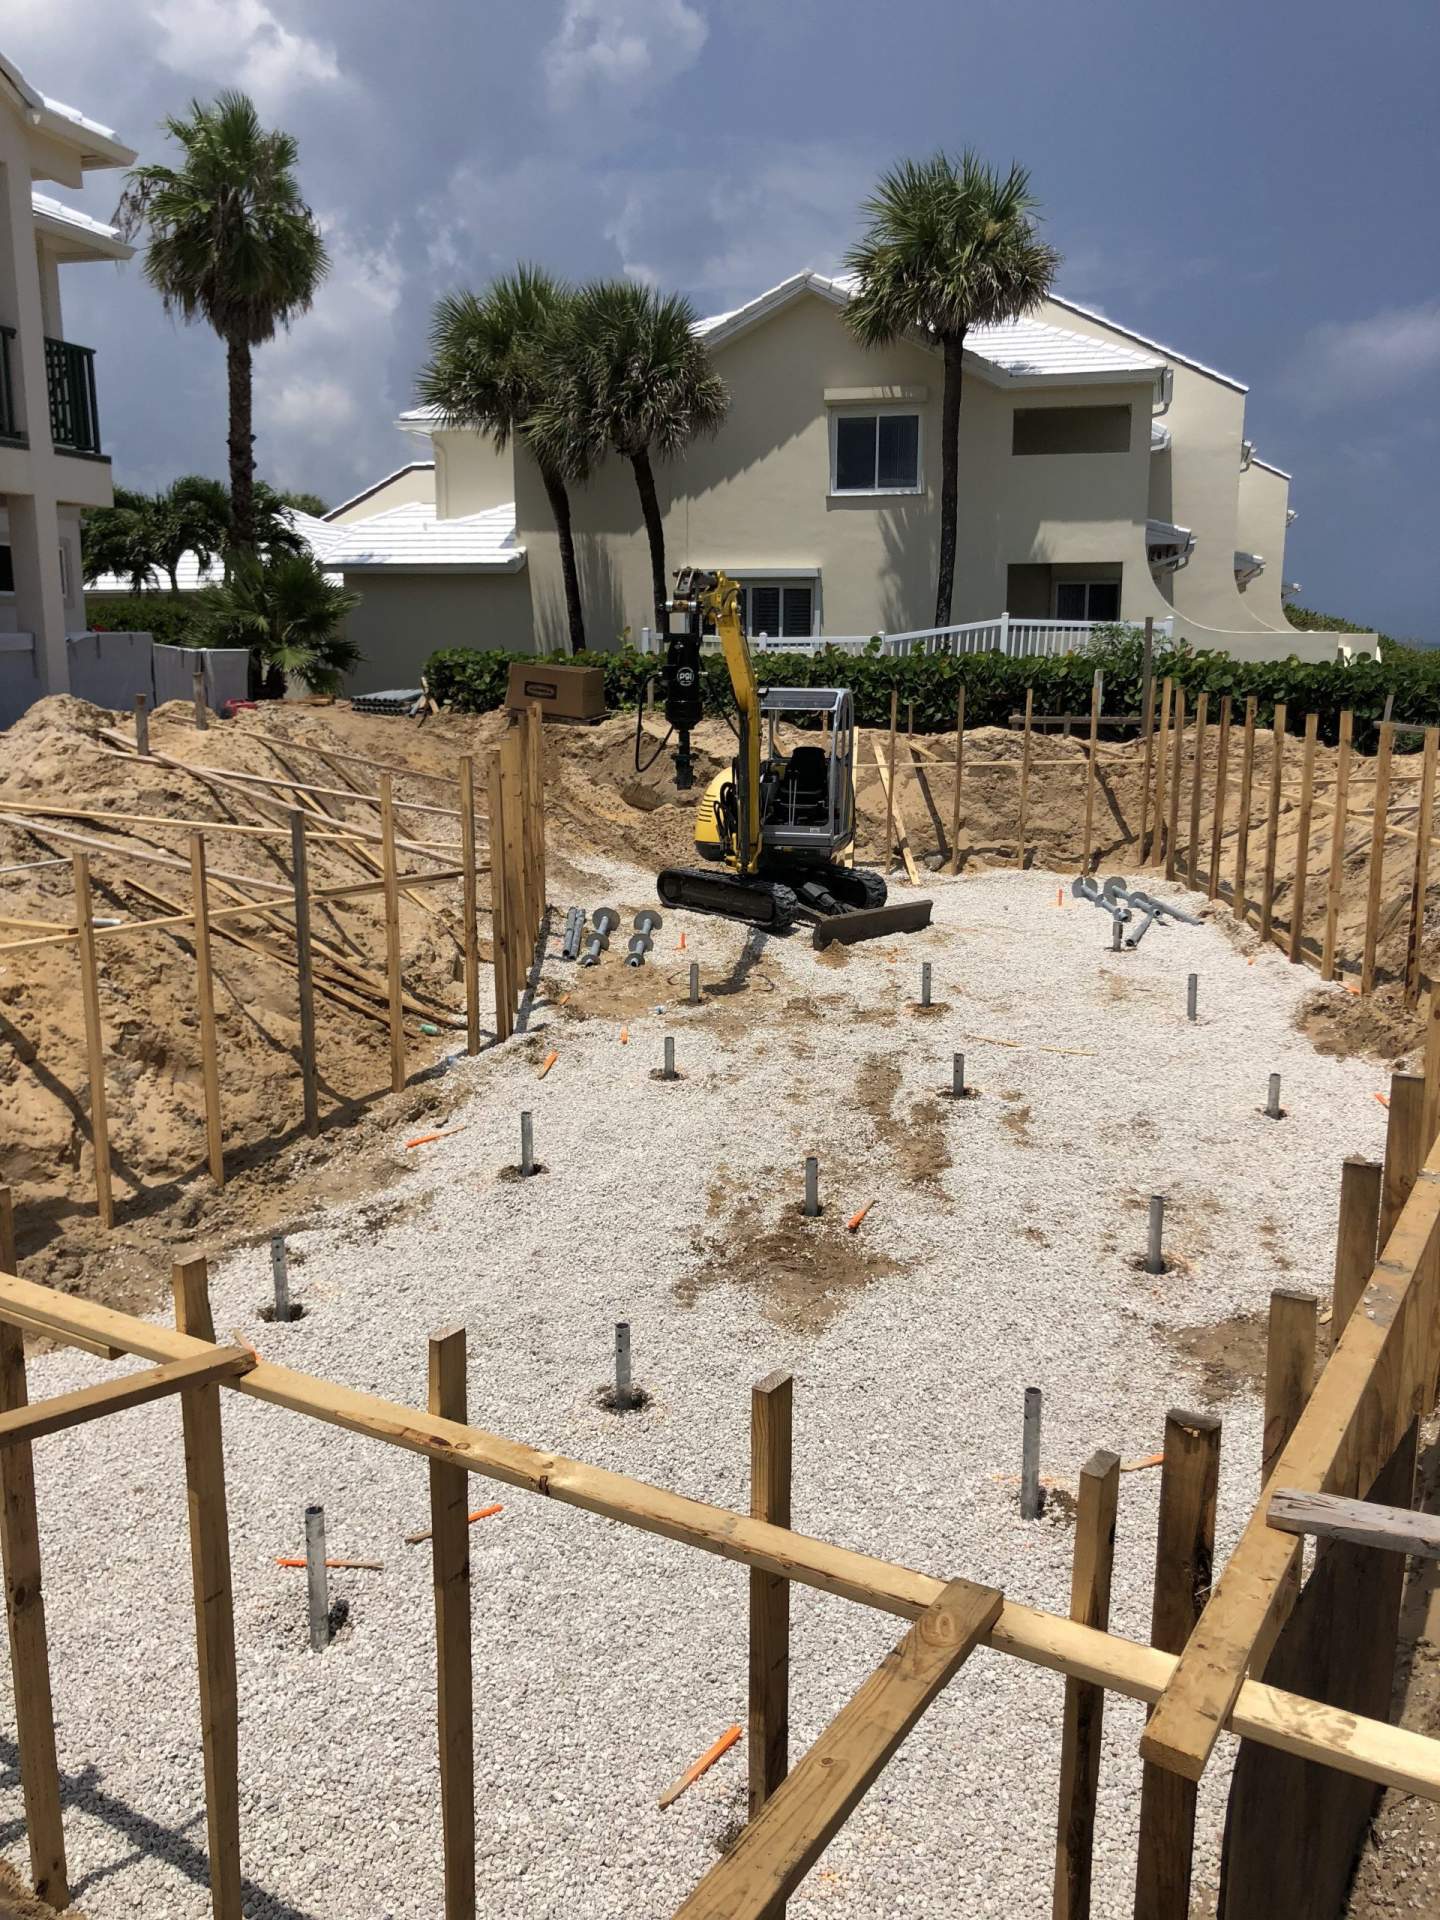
(949, 476)
(242, 446)
(560, 506)
(655, 531)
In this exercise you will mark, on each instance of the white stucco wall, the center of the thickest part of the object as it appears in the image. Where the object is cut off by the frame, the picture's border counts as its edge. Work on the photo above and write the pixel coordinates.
(1264, 502)
(400, 490)
(470, 475)
(405, 617)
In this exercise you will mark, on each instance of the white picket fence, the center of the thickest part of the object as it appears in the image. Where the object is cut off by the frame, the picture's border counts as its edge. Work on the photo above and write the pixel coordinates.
(1006, 634)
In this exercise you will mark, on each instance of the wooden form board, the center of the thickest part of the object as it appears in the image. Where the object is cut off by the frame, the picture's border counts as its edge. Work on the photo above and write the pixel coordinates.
(1355, 1418)
(454, 1680)
(24, 1424)
(1364, 1523)
(1084, 1715)
(1392, 1756)
(782, 1843)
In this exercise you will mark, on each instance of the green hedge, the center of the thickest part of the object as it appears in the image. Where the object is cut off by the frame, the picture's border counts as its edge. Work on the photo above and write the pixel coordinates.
(995, 684)
(166, 617)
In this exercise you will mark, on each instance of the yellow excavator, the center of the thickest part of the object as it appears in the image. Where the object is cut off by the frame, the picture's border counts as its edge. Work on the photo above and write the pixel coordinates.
(777, 828)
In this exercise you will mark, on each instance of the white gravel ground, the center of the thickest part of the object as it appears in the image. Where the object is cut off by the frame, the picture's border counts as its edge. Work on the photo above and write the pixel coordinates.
(607, 1660)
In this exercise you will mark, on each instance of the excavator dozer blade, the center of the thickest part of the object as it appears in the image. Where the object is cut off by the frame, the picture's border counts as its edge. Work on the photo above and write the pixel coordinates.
(872, 923)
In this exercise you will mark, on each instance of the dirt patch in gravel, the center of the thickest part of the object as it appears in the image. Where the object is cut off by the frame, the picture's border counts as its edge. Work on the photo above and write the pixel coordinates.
(1228, 1355)
(17, 1902)
(1380, 1026)
(805, 1272)
(918, 1139)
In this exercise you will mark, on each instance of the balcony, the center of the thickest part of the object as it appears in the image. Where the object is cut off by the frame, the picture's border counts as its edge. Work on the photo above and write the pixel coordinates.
(74, 415)
(9, 418)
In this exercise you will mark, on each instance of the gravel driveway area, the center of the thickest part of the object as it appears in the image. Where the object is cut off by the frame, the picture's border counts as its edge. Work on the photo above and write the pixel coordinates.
(1000, 1252)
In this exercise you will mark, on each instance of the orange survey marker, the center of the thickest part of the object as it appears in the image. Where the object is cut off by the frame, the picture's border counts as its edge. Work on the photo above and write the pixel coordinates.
(547, 1063)
(1145, 1460)
(703, 1765)
(680, 943)
(1383, 1098)
(480, 1513)
(1059, 896)
(624, 1036)
(358, 1566)
(854, 1221)
(424, 1139)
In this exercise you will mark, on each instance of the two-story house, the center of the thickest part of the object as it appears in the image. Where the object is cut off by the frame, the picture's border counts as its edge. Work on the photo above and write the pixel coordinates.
(52, 466)
(1103, 476)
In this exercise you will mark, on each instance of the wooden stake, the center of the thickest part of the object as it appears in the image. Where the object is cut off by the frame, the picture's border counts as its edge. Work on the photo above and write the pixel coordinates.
(1302, 839)
(517, 893)
(890, 793)
(1377, 857)
(1423, 827)
(1404, 1156)
(142, 727)
(1432, 1070)
(25, 1617)
(1147, 728)
(959, 775)
(1097, 687)
(205, 995)
(501, 933)
(392, 936)
(1177, 762)
(94, 1040)
(468, 889)
(1093, 1561)
(768, 1746)
(1272, 820)
(450, 1562)
(1242, 831)
(1162, 763)
(1197, 782)
(214, 1606)
(1356, 1240)
(1222, 781)
(197, 687)
(531, 733)
(1289, 1376)
(1025, 773)
(1337, 847)
(304, 972)
(1184, 1555)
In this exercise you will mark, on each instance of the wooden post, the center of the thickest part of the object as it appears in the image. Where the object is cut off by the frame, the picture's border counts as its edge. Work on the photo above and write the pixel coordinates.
(1272, 820)
(959, 775)
(450, 1564)
(1177, 763)
(1097, 689)
(500, 928)
(1025, 773)
(94, 1040)
(142, 726)
(1162, 761)
(1377, 857)
(890, 794)
(532, 733)
(1197, 784)
(1242, 830)
(1357, 1239)
(768, 1744)
(1404, 1153)
(1289, 1370)
(1337, 847)
(1222, 781)
(1147, 729)
(25, 1617)
(392, 935)
(1432, 1070)
(1094, 1559)
(1184, 1554)
(1422, 870)
(214, 1606)
(1302, 838)
(468, 890)
(197, 687)
(517, 891)
(304, 972)
(205, 995)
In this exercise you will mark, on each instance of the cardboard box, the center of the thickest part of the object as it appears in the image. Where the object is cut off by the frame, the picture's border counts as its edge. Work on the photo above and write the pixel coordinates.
(560, 692)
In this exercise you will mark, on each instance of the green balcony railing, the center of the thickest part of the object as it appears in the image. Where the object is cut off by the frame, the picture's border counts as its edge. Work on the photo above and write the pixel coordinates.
(9, 418)
(74, 415)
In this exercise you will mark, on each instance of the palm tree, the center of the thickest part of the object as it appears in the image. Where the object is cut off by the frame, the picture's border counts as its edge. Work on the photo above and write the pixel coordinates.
(230, 242)
(492, 356)
(191, 515)
(633, 378)
(285, 610)
(120, 539)
(950, 246)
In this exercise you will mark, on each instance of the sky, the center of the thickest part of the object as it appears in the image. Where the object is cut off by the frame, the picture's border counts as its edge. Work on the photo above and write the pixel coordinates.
(1254, 184)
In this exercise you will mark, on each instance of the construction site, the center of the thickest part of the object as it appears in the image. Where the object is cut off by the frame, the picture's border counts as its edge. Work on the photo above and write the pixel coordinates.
(685, 1415)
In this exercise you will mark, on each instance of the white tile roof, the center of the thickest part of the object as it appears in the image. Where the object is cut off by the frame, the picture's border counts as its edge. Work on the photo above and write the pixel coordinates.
(319, 536)
(1169, 353)
(101, 146)
(91, 236)
(413, 539)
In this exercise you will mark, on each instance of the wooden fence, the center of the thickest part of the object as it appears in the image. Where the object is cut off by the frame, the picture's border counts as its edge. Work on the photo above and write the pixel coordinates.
(1326, 1747)
(300, 815)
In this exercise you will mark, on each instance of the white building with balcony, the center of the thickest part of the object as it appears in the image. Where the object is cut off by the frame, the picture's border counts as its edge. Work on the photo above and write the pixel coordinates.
(52, 465)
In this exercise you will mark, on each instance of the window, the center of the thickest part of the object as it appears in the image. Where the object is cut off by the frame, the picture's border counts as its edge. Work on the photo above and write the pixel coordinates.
(1071, 430)
(1087, 600)
(875, 453)
(7, 571)
(778, 609)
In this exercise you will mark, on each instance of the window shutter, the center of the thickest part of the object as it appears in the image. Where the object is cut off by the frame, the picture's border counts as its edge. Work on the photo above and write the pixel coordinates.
(797, 613)
(765, 611)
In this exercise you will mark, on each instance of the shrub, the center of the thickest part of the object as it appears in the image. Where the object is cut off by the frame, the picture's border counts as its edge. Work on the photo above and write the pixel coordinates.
(170, 618)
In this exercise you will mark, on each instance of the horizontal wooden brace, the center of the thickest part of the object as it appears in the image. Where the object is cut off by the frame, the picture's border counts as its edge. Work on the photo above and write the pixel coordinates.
(1329, 1516)
(113, 1396)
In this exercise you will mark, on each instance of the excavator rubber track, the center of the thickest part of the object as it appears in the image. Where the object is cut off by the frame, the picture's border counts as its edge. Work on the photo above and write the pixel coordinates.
(764, 903)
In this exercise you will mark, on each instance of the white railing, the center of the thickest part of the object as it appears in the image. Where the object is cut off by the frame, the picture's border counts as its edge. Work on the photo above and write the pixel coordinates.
(1008, 634)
